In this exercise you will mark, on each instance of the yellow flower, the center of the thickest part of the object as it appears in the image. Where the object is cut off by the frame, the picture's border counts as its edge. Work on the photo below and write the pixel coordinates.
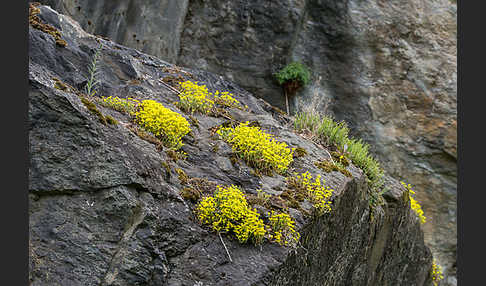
(258, 148)
(164, 123)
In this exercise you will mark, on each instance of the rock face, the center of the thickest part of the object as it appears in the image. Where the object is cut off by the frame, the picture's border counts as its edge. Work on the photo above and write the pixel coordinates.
(105, 206)
(387, 68)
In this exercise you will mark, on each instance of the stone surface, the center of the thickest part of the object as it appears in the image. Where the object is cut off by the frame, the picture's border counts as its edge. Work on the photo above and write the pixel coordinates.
(103, 209)
(387, 68)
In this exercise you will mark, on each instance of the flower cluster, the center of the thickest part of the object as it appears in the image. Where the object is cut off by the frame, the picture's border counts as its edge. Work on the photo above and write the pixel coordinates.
(283, 227)
(226, 99)
(128, 105)
(164, 123)
(194, 97)
(436, 273)
(258, 148)
(319, 195)
(228, 210)
(414, 204)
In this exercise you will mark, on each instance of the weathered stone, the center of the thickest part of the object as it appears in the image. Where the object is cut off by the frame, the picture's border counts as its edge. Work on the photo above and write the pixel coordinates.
(103, 209)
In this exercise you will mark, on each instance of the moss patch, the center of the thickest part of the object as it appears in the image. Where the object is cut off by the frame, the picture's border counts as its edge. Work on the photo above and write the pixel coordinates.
(329, 166)
(340, 157)
(167, 168)
(110, 120)
(182, 176)
(60, 85)
(93, 109)
(35, 22)
(299, 152)
(194, 121)
(144, 135)
(191, 194)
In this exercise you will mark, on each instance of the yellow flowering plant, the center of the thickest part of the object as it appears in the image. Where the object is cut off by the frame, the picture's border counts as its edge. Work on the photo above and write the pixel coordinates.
(258, 148)
(319, 195)
(414, 204)
(194, 97)
(128, 105)
(283, 227)
(164, 123)
(436, 273)
(228, 210)
(226, 99)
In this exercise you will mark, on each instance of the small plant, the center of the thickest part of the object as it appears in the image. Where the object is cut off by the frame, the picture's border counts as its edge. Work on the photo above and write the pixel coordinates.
(319, 195)
(128, 105)
(90, 87)
(226, 99)
(292, 77)
(436, 273)
(258, 148)
(228, 210)
(333, 133)
(414, 204)
(283, 227)
(194, 97)
(164, 123)
(329, 166)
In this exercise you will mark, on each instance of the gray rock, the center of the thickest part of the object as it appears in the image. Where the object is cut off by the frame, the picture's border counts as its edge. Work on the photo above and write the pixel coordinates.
(104, 211)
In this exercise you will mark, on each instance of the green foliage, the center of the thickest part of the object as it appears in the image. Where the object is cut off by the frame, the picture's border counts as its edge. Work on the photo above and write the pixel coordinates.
(294, 71)
(283, 227)
(333, 133)
(319, 195)
(228, 210)
(90, 87)
(258, 148)
(414, 204)
(164, 123)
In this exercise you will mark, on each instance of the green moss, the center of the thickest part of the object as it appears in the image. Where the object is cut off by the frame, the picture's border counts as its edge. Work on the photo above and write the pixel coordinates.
(234, 159)
(167, 168)
(111, 120)
(340, 157)
(299, 152)
(93, 109)
(215, 148)
(329, 166)
(35, 22)
(182, 176)
(60, 85)
(146, 136)
(191, 194)
(194, 121)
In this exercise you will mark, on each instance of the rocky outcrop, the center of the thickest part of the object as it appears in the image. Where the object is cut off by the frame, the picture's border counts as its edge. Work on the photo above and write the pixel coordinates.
(387, 68)
(105, 205)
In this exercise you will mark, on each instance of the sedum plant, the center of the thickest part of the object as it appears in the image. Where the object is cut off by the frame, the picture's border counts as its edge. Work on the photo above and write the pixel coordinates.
(319, 195)
(414, 204)
(226, 99)
(164, 123)
(258, 148)
(128, 105)
(436, 273)
(194, 97)
(283, 227)
(228, 210)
